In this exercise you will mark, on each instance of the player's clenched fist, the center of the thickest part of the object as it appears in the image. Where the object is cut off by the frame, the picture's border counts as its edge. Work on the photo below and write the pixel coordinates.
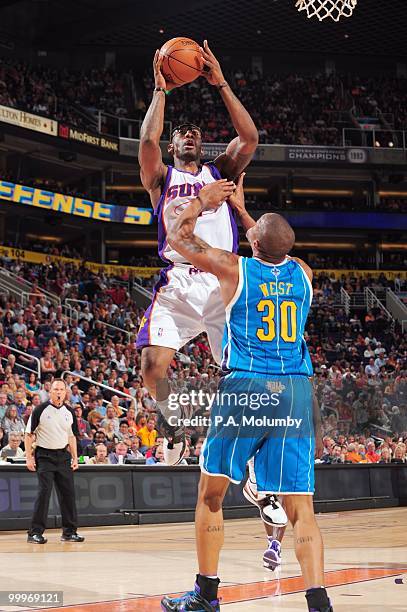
(212, 195)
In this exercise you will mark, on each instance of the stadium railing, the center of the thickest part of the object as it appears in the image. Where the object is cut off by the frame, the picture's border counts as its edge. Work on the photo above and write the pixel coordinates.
(396, 306)
(19, 365)
(95, 383)
(123, 127)
(73, 315)
(345, 300)
(17, 285)
(372, 301)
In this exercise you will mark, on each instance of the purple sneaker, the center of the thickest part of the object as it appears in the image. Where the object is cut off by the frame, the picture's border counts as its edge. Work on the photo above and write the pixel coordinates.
(272, 556)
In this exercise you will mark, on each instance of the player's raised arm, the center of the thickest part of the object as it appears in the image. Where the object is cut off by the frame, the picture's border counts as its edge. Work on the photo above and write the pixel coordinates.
(181, 237)
(241, 149)
(237, 202)
(152, 169)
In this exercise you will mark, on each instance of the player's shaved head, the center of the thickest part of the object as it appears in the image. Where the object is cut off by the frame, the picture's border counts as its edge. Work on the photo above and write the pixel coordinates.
(272, 237)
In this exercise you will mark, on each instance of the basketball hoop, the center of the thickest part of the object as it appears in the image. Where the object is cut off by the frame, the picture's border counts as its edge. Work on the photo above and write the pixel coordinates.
(335, 9)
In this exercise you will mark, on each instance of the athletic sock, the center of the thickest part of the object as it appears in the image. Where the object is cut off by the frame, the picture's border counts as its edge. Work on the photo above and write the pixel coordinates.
(317, 599)
(168, 412)
(252, 475)
(208, 587)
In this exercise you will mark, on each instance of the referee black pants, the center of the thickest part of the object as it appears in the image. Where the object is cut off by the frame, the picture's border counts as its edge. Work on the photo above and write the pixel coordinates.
(54, 466)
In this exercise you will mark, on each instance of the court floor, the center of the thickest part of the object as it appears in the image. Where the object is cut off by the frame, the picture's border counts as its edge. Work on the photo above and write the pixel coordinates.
(124, 569)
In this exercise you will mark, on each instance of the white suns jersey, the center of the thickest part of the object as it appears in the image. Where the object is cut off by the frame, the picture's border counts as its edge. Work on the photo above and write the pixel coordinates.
(217, 227)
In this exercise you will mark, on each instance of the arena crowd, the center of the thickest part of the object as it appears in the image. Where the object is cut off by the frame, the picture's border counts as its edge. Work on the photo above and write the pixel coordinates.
(287, 108)
(359, 361)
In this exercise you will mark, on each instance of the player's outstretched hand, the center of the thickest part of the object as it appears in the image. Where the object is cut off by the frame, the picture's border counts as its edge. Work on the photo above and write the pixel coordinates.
(214, 194)
(159, 79)
(213, 73)
(236, 200)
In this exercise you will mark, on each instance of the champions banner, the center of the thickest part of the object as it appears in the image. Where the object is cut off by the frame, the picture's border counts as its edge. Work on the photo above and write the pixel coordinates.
(20, 118)
(80, 207)
(46, 259)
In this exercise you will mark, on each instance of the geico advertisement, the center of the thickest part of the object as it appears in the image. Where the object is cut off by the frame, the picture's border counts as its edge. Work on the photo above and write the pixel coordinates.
(107, 492)
(58, 202)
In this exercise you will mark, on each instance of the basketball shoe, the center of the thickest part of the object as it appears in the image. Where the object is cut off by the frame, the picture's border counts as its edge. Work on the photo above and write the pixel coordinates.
(272, 556)
(174, 444)
(190, 602)
(271, 511)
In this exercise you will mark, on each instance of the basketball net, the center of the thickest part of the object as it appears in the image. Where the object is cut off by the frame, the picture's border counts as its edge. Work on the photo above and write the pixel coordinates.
(335, 9)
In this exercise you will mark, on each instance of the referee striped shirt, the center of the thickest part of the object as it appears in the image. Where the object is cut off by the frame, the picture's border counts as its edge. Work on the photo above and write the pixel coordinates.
(52, 425)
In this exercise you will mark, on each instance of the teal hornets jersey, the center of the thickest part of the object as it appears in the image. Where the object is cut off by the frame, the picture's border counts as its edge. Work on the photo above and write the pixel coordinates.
(265, 320)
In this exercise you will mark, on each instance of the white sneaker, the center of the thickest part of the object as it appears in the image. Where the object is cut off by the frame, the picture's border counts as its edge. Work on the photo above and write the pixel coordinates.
(271, 511)
(174, 449)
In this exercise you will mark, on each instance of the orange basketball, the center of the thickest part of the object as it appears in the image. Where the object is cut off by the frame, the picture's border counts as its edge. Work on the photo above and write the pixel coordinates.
(182, 61)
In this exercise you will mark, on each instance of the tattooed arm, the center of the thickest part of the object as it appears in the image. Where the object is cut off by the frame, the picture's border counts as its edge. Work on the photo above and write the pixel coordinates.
(200, 254)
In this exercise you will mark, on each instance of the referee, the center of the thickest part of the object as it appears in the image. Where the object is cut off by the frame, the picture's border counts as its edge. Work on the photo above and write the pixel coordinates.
(54, 426)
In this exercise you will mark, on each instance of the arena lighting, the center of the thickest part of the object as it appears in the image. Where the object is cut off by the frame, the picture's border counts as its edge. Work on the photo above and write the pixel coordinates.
(325, 192)
(44, 238)
(138, 243)
(393, 246)
(326, 245)
(130, 188)
(393, 194)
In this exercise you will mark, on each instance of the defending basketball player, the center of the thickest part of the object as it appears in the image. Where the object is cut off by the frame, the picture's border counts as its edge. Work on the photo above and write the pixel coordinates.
(187, 300)
(267, 299)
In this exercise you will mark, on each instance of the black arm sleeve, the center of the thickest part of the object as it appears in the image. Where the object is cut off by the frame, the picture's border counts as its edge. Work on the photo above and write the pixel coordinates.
(75, 429)
(36, 415)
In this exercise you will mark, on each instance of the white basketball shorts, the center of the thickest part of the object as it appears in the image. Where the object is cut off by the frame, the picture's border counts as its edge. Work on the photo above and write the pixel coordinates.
(186, 302)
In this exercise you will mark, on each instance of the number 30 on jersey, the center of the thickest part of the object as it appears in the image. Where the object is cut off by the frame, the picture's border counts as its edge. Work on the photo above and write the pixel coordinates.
(285, 318)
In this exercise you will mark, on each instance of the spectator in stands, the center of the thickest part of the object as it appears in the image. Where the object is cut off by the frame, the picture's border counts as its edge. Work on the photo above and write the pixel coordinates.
(147, 435)
(47, 365)
(115, 404)
(12, 422)
(135, 448)
(371, 455)
(95, 420)
(100, 457)
(399, 454)
(99, 437)
(123, 432)
(352, 455)
(141, 421)
(157, 456)
(19, 327)
(4, 404)
(385, 455)
(32, 386)
(83, 425)
(111, 418)
(27, 413)
(119, 454)
(131, 421)
(20, 402)
(13, 448)
(44, 393)
(3, 438)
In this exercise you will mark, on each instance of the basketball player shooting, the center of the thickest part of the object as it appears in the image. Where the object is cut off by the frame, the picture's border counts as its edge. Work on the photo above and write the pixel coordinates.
(267, 298)
(187, 300)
